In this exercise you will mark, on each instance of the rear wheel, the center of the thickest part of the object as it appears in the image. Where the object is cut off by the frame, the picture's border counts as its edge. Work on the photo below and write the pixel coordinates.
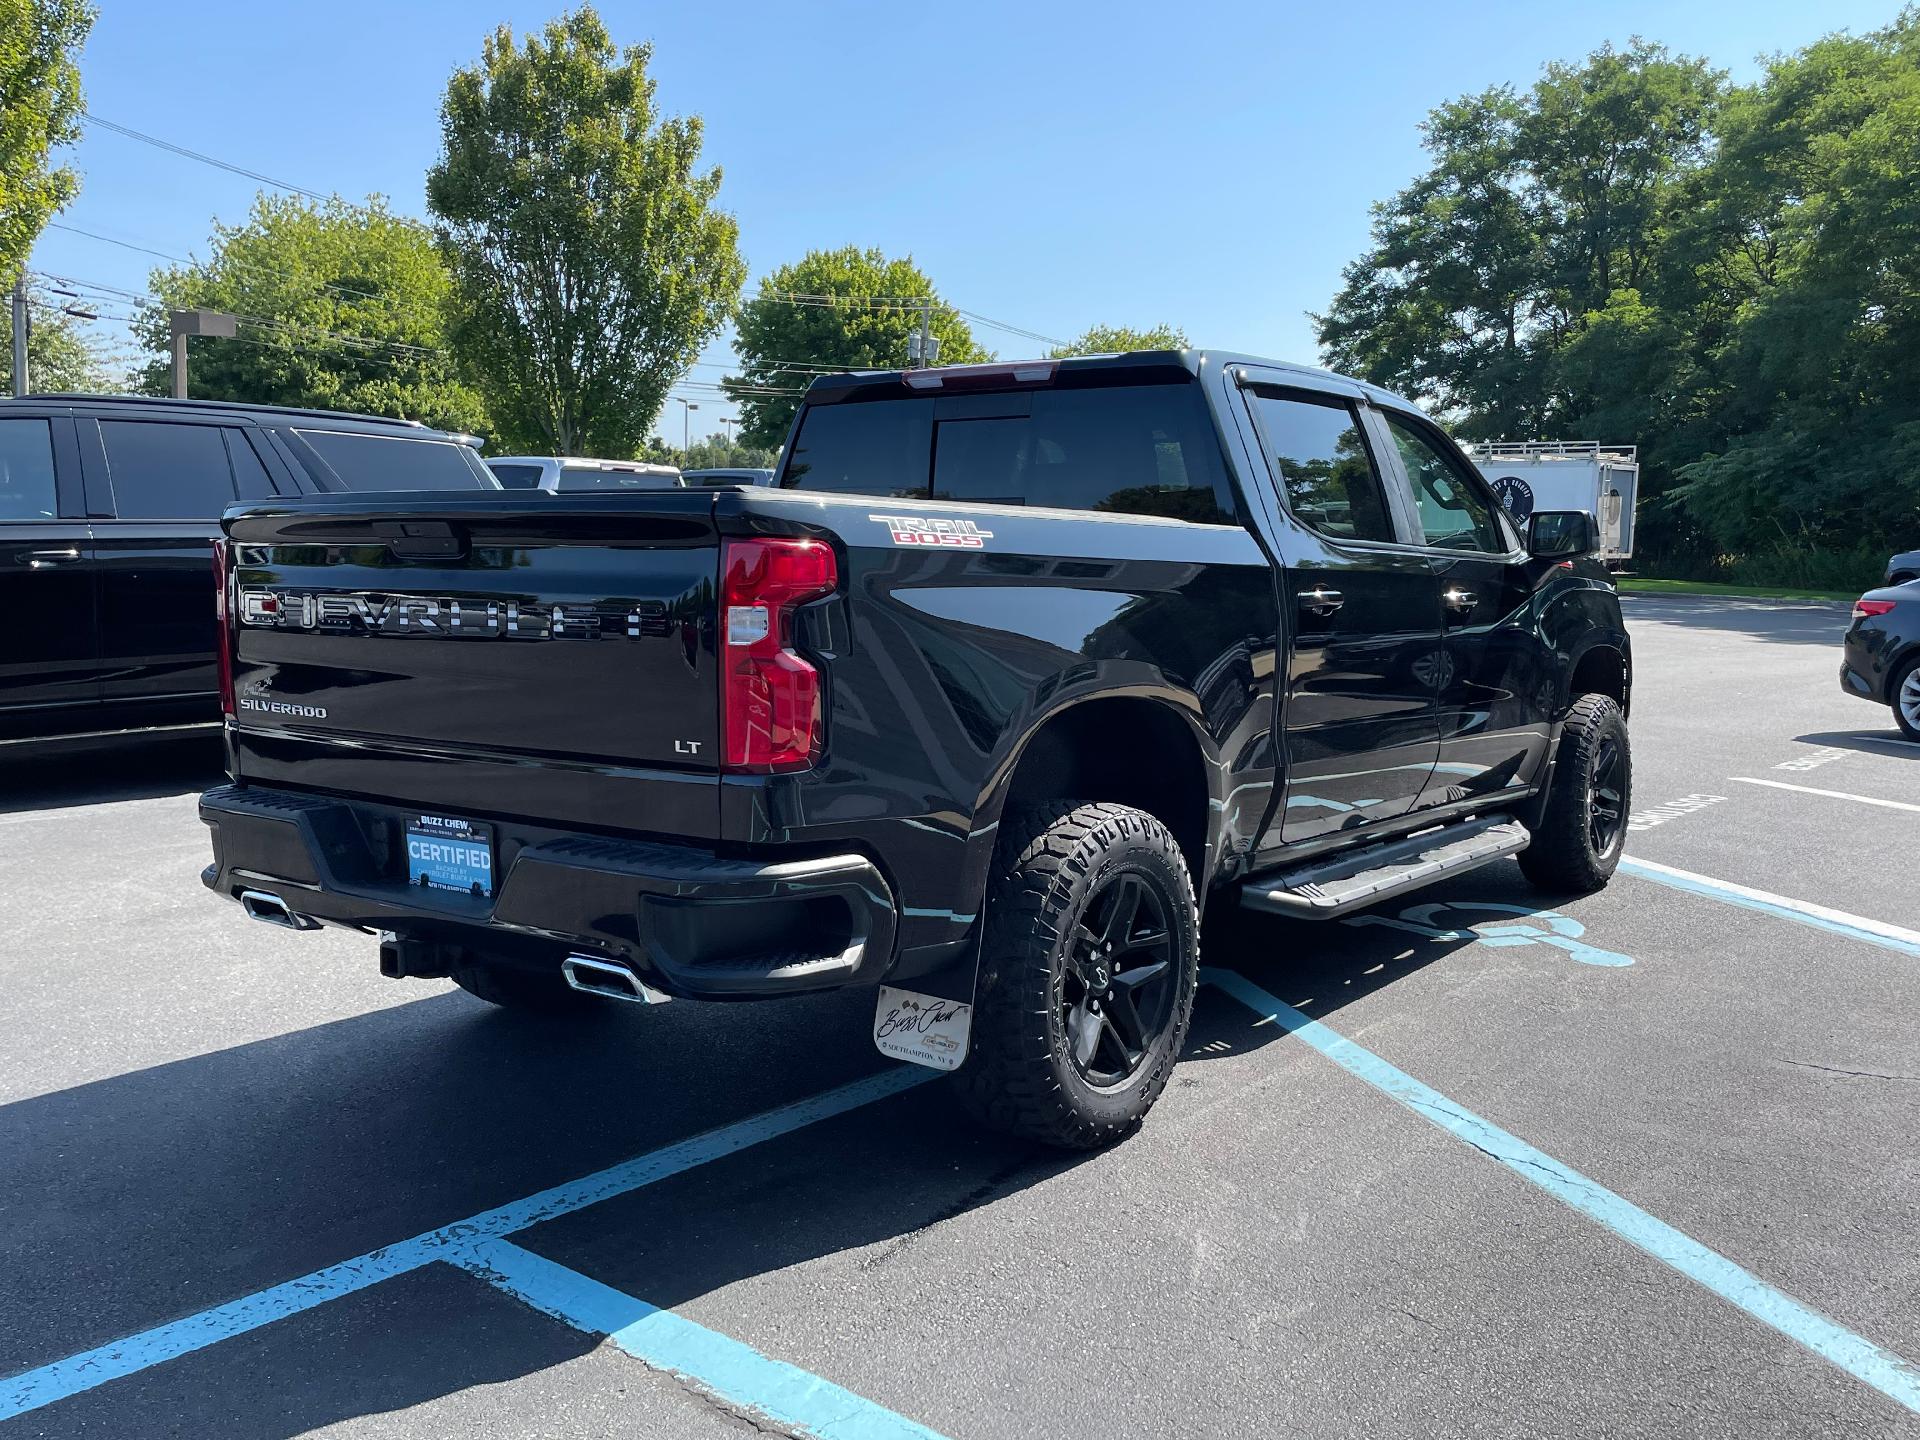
(1584, 828)
(1087, 980)
(1905, 691)
(523, 988)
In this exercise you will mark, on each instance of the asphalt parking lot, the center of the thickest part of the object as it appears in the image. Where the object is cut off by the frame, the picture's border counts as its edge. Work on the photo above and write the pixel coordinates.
(1645, 1162)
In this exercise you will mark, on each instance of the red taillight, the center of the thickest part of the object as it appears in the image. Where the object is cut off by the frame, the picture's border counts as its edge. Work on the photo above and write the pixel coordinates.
(770, 702)
(223, 630)
(1863, 608)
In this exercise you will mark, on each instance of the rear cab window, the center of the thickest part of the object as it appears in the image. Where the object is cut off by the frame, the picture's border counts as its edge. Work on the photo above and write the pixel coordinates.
(1127, 449)
(1318, 449)
(397, 462)
(516, 477)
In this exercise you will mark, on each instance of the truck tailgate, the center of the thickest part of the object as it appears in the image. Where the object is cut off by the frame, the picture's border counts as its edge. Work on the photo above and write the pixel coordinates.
(529, 629)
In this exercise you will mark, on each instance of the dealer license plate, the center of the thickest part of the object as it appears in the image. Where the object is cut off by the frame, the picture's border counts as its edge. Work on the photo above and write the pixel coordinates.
(448, 854)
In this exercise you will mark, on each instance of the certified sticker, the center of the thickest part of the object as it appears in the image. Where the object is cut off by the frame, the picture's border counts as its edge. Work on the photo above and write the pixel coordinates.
(922, 1028)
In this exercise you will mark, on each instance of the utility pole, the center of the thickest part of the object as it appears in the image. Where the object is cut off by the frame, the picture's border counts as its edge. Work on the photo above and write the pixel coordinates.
(183, 323)
(922, 348)
(21, 320)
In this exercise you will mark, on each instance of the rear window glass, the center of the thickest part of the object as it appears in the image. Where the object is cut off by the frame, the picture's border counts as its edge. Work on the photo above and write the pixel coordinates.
(395, 462)
(167, 471)
(1317, 446)
(26, 471)
(517, 477)
(1129, 449)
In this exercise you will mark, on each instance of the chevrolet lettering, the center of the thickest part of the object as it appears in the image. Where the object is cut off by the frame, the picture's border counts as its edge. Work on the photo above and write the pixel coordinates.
(1134, 637)
(449, 617)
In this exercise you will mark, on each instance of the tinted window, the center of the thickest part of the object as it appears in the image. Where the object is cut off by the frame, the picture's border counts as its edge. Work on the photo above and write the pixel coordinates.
(395, 462)
(167, 472)
(1317, 446)
(1135, 449)
(26, 471)
(251, 475)
(517, 477)
(877, 447)
(1453, 512)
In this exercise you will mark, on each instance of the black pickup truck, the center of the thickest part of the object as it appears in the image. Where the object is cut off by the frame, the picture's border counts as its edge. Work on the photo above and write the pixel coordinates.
(1016, 669)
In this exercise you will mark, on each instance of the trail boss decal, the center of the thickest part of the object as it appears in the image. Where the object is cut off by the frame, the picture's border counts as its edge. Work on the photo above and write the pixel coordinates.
(917, 530)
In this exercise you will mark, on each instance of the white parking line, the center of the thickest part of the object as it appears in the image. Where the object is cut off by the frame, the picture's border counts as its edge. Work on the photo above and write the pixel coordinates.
(1830, 794)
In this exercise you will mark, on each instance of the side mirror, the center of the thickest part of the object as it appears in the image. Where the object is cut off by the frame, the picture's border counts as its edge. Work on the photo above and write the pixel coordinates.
(1561, 534)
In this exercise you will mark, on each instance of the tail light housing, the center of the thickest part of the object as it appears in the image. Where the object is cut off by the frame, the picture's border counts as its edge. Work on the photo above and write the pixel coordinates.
(223, 627)
(1863, 608)
(771, 711)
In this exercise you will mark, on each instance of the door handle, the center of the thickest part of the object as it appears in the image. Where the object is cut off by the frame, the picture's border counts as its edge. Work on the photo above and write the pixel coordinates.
(1459, 601)
(46, 559)
(1321, 601)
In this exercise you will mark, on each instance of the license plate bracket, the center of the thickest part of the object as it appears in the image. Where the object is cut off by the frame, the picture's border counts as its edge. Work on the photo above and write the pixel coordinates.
(451, 855)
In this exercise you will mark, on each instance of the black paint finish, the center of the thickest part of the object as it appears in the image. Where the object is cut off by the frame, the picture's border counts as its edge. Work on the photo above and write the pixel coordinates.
(1186, 659)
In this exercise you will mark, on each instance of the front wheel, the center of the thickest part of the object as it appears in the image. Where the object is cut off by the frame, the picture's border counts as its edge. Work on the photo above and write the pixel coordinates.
(1583, 829)
(1090, 962)
(1905, 691)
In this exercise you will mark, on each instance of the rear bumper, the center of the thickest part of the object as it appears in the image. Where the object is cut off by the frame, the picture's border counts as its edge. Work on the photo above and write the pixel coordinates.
(1868, 657)
(688, 921)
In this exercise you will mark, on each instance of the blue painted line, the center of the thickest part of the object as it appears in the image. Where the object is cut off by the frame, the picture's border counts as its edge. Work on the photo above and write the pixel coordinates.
(34, 1388)
(1802, 912)
(795, 1399)
(1860, 1358)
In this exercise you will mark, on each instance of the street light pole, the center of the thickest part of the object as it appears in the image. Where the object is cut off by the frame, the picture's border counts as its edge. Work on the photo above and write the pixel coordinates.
(183, 323)
(687, 407)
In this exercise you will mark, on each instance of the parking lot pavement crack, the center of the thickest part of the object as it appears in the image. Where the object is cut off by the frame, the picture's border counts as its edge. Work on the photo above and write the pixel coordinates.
(1862, 1074)
(978, 1195)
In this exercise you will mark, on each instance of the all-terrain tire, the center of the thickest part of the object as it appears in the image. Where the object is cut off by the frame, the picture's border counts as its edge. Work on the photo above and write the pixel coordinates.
(521, 988)
(1050, 869)
(1565, 855)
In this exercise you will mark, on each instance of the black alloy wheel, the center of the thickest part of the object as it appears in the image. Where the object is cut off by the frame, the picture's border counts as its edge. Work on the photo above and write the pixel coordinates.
(1606, 798)
(1118, 989)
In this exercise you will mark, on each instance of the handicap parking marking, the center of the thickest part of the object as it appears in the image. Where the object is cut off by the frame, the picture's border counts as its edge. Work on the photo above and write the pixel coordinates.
(794, 1399)
(1880, 1368)
(44, 1385)
(1803, 912)
(1829, 794)
(1563, 932)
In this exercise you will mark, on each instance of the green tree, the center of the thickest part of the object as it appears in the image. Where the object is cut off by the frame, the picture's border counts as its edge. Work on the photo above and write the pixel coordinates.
(1113, 339)
(343, 308)
(590, 265)
(846, 309)
(61, 355)
(39, 109)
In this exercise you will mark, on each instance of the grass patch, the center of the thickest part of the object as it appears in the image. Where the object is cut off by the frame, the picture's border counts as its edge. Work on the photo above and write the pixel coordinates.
(1640, 585)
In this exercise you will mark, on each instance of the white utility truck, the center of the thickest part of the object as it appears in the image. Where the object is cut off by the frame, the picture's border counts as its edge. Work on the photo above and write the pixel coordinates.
(1603, 480)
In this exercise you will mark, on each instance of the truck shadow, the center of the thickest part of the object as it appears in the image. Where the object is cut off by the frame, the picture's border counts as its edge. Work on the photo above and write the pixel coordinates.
(1886, 742)
(214, 1177)
(138, 770)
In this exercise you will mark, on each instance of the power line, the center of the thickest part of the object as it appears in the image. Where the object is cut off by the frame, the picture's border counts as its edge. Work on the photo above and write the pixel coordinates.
(225, 259)
(155, 140)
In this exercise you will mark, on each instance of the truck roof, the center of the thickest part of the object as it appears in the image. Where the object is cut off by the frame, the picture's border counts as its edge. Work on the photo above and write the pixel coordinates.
(827, 389)
(342, 418)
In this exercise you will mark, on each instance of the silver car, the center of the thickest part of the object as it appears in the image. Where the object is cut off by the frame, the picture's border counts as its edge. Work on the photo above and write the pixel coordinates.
(571, 474)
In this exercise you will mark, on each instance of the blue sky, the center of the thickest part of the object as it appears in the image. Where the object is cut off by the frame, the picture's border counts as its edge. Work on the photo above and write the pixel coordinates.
(1050, 165)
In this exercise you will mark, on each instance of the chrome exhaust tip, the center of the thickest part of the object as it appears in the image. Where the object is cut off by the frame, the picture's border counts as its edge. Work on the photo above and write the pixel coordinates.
(609, 978)
(262, 905)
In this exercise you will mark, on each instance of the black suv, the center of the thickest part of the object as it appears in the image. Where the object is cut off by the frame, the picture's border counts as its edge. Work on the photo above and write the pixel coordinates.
(109, 506)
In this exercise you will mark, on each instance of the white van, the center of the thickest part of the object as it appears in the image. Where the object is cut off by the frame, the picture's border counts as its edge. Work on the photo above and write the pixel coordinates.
(1603, 480)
